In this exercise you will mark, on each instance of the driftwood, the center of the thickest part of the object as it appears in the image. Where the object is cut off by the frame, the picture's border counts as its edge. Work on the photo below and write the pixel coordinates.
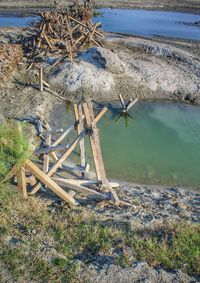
(63, 31)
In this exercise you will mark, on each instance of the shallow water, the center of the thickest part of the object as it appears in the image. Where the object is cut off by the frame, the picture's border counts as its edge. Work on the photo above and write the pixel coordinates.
(150, 23)
(161, 144)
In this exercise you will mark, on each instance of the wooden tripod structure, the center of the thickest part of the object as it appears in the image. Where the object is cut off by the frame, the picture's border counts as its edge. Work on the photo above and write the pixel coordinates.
(85, 124)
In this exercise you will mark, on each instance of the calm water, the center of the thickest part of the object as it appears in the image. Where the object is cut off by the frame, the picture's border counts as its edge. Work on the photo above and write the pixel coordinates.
(150, 23)
(10, 21)
(161, 144)
(134, 22)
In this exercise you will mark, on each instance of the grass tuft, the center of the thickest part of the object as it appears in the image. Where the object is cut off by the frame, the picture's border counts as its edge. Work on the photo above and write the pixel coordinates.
(14, 147)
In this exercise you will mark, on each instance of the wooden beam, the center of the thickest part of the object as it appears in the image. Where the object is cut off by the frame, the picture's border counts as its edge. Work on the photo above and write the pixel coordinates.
(85, 182)
(49, 183)
(76, 185)
(95, 143)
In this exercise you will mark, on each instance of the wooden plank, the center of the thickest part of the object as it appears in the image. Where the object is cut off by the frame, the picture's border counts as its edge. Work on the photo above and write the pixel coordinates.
(78, 112)
(76, 185)
(60, 160)
(85, 182)
(49, 183)
(95, 143)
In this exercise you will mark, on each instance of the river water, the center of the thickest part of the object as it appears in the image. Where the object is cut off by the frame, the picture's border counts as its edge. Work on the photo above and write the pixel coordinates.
(150, 23)
(134, 22)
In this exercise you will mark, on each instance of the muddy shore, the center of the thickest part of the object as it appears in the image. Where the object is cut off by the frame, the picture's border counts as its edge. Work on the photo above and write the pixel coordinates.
(189, 6)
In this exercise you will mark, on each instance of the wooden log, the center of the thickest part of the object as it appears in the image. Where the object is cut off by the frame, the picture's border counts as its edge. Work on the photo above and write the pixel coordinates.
(49, 183)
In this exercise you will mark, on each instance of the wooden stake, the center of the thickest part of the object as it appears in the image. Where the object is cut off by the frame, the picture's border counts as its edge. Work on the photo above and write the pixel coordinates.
(21, 180)
(41, 79)
(122, 101)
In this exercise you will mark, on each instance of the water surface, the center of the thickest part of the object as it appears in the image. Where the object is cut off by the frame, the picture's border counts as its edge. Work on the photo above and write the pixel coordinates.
(134, 22)
(10, 21)
(150, 23)
(161, 144)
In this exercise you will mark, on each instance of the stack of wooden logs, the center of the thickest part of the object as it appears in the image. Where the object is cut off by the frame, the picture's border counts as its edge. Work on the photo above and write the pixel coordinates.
(63, 31)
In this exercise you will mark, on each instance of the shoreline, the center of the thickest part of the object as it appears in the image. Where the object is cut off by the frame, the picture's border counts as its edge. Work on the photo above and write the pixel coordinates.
(28, 12)
(191, 7)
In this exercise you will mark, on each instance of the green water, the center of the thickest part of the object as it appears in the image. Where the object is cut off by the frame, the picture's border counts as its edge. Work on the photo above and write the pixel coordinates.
(161, 144)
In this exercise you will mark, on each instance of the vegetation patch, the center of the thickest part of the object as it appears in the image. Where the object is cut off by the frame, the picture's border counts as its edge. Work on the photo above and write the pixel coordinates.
(14, 147)
(44, 242)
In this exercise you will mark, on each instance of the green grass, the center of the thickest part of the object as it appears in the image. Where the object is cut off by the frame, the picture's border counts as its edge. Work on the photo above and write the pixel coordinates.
(40, 244)
(14, 147)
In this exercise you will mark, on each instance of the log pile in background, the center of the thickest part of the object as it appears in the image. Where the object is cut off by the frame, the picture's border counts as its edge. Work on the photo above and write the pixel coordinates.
(10, 56)
(63, 31)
